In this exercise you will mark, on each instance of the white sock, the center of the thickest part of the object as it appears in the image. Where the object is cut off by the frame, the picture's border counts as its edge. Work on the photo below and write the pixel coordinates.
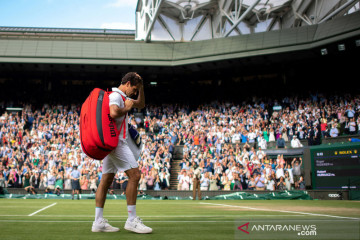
(98, 213)
(131, 212)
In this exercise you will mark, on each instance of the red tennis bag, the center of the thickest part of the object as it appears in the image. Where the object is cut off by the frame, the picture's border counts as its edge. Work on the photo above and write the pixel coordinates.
(98, 132)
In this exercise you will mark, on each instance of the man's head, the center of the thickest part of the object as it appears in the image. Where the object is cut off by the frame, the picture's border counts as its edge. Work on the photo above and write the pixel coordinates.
(130, 83)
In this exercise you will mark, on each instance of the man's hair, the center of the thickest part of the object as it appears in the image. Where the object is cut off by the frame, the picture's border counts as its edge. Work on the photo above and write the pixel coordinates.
(132, 77)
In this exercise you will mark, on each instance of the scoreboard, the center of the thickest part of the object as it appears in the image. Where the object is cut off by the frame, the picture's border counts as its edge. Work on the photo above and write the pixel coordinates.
(336, 166)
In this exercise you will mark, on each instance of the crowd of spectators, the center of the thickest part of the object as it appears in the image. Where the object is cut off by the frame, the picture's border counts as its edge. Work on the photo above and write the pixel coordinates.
(40, 147)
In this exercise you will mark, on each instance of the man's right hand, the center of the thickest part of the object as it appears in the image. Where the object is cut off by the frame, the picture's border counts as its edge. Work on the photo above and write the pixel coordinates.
(128, 104)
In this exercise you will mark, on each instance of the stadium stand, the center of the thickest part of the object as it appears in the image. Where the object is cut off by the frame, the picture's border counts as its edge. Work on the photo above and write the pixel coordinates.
(39, 147)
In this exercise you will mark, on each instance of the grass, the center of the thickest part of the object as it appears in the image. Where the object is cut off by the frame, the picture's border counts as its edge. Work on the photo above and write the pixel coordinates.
(171, 219)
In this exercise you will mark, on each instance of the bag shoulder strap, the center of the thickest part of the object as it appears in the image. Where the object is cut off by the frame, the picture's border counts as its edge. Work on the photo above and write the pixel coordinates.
(123, 124)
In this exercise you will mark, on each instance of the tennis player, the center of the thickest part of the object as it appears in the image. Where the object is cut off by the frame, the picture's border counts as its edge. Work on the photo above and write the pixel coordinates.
(123, 157)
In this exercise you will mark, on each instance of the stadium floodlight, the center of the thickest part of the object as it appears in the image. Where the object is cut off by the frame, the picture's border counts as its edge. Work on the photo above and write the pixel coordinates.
(357, 43)
(341, 47)
(324, 51)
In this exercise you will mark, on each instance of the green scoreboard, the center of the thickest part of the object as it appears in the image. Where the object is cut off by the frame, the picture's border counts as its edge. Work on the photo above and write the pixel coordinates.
(335, 166)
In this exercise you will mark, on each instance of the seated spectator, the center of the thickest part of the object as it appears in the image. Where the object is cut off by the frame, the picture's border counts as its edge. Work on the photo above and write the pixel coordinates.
(295, 142)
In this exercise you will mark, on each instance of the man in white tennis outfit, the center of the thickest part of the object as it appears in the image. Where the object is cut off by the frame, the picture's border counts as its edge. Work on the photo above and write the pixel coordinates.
(123, 157)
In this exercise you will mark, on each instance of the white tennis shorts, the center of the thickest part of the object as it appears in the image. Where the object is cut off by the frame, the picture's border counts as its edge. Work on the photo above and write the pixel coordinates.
(122, 158)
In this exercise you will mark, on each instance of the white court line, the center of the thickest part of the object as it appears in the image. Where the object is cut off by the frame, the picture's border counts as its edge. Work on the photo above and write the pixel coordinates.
(175, 221)
(284, 211)
(167, 216)
(32, 214)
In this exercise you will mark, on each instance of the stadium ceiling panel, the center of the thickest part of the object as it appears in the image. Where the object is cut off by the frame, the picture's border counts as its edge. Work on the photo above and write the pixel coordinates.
(192, 20)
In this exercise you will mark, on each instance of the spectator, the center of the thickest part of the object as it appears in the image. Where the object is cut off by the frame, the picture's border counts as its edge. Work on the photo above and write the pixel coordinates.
(279, 171)
(2, 180)
(237, 183)
(251, 184)
(150, 181)
(75, 182)
(295, 142)
(259, 182)
(142, 183)
(164, 180)
(205, 182)
(59, 183)
(262, 143)
(280, 142)
(296, 169)
(35, 180)
(185, 182)
(334, 132)
(287, 181)
(213, 184)
(43, 181)
(352, 126)
(196, 183)
(281, 184)
(26, 181)
(270, 183)
(67, 181)
(300, 184)
(51, 182)
(323, 127)
(93, 183)
(84, 182)
(124, 181)
(226, 183)
(157, 183)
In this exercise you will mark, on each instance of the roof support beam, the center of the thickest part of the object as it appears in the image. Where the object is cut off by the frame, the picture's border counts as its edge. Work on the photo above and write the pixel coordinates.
(241, 18)
(153, 14)
(345, 5)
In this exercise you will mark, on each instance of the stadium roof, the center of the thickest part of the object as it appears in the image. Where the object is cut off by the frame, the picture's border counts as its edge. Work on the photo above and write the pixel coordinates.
(66, 33)
(193, 20)
(67, 30)
(84, 51)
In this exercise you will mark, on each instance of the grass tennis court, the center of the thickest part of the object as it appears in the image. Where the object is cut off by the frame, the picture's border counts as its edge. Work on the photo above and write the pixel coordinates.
(170, 219)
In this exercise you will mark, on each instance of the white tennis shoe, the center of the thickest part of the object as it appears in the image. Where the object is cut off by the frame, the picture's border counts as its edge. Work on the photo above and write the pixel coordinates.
(136, 225)
(102, 225)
